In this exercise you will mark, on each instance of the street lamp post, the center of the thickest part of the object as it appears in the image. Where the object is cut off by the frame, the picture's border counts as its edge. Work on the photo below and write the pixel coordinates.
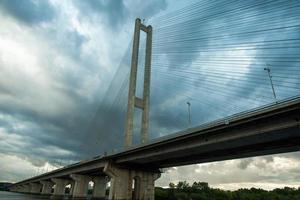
(271, 82)
(189, 112)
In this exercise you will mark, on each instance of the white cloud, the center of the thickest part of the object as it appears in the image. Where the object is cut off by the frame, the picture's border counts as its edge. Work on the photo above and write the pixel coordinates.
(266, 172)
(13, 168)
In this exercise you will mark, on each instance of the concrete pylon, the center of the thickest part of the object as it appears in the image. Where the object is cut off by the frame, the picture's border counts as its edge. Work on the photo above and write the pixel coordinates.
(122, 181)
(81, 184)
(99, 187)
(134, 101)
(59, 189)
(46, 187)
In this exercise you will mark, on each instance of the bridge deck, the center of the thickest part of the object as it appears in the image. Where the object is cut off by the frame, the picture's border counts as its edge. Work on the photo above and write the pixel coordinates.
(267, 130)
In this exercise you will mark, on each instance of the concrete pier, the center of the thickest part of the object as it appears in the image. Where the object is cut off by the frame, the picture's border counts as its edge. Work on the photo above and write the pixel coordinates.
(72, 182)
(20, 189)
(13, 189)
(16, 189)
(99, 187)
(26, 188)
(35, 188)
(59, 189)
(81, 183)
(123, 179)
(46, 187)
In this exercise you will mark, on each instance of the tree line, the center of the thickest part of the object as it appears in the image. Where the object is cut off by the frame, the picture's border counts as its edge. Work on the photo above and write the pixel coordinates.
(201, 191)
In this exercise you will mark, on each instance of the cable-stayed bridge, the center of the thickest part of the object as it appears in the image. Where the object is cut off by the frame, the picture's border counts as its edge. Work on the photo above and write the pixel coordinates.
(234, 61)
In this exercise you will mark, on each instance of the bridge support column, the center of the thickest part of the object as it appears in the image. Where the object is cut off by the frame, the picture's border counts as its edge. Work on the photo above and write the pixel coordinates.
(27, 188)
(122, 181)
(14, 189)
(46, 187)
(35, 188)
(99, 188)
(20, 189)
(59, 189)
(81, 184)
(72, 187)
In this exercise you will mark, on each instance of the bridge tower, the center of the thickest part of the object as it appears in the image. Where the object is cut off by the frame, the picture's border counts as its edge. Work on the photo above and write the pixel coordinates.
(133, 101)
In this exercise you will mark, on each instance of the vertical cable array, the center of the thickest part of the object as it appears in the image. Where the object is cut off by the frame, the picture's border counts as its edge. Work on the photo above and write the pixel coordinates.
(213, 54)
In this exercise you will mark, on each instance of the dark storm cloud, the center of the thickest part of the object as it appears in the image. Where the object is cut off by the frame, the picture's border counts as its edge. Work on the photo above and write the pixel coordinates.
(245, 163)
(29, 12)
(117, 13)
(73, 43)
(40, 133)
(112, 11)
(264, 162)
(77, 131)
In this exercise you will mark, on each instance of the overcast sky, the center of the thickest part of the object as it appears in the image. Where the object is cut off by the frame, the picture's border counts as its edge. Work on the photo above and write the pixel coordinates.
(64, 74)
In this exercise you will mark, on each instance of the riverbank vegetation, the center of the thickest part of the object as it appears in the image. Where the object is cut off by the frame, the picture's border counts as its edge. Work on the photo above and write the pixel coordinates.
(202, 191)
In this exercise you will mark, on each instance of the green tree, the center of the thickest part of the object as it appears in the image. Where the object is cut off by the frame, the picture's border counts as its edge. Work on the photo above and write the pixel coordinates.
(171, 193)
(182, 185)
(172, 185)
(202, 191)
(200, 186)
